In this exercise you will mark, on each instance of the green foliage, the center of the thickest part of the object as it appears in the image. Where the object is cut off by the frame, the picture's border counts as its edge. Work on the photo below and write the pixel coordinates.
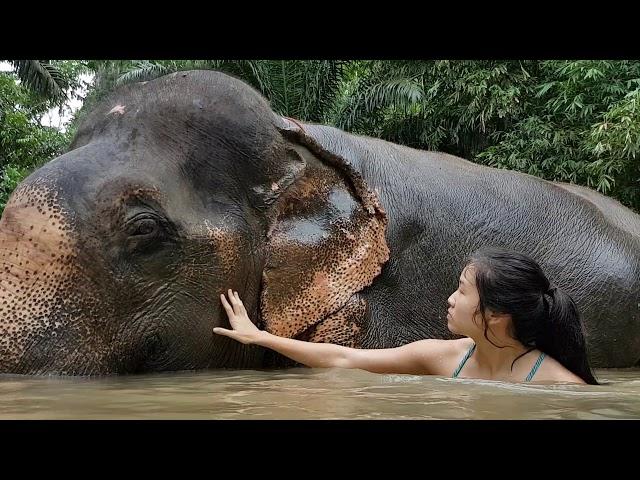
(11, 177)
(49, 83)
(42, 78)
(306, 90)
(570, 121)
(615, 145)
(581, 125)
(24, 143)
(451, 106)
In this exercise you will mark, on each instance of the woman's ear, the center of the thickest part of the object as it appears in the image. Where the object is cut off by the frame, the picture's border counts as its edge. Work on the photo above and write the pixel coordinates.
(502, 320)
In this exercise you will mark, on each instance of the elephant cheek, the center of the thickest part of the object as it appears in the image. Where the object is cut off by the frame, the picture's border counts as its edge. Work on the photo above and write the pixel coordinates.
(226, 246)
(342, 327)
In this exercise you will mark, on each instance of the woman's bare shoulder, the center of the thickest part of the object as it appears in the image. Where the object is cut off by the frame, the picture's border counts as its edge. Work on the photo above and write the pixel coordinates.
(552, 371)
(444, 346)
(440, 357)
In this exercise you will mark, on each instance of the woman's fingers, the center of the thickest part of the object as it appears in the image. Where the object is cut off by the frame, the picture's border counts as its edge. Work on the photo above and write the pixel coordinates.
(241, 325)
(240, 306)
(236, 312)
(226, 305)
(233, 301)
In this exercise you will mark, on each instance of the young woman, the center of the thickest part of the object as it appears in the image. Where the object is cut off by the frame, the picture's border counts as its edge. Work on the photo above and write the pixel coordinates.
(517, 328)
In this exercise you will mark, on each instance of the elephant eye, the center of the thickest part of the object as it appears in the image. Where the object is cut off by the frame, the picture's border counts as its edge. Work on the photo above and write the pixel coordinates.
(142, 227)
(147, 232)
(144, 233)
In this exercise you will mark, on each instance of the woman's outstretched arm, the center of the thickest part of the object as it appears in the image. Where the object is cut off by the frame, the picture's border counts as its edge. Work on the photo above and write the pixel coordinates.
(422, 357)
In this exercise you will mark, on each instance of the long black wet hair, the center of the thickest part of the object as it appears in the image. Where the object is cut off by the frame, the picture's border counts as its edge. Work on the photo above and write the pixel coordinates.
(543, 316)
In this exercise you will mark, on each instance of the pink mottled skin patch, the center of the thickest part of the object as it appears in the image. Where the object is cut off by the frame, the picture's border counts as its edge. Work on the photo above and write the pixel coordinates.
(119, 109)
(321, 282)
(37, 266)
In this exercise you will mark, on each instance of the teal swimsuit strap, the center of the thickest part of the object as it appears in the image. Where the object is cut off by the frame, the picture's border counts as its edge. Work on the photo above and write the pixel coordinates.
(464, 360)
(535, 367)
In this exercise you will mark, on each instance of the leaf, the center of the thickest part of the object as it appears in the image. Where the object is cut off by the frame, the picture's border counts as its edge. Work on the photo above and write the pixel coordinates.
(42, 78)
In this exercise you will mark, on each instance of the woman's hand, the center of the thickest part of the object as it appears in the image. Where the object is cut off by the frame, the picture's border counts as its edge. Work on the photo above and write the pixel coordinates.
(244, 330)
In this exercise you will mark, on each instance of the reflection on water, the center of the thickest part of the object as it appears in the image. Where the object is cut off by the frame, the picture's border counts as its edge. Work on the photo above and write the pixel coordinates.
(313, 394)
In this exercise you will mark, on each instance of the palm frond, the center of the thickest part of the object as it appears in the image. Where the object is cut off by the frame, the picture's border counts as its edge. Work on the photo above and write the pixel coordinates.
(304, 89)
(42, 78)
(142, 71)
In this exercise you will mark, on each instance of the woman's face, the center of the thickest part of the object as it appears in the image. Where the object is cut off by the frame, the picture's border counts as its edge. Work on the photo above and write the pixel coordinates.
(463, 304)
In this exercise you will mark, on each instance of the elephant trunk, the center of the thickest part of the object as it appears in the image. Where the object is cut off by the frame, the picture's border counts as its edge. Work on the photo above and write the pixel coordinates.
(41, 324)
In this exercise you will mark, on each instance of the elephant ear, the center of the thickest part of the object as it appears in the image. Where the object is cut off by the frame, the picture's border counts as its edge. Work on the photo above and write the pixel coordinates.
(326, 243)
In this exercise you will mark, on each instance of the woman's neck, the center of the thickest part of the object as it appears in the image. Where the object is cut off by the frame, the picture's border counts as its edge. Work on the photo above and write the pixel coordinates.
(495, 360)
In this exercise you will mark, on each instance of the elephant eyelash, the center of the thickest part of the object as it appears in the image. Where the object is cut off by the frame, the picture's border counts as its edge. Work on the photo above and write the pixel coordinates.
(161, 233)
(132, 225)
(143, 231)
(145, 228)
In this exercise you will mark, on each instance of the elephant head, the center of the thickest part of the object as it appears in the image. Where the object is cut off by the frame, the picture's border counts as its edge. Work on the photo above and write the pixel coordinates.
(114, 255)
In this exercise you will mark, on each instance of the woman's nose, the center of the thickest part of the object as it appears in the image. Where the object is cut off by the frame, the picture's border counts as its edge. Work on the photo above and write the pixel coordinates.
(451, 301)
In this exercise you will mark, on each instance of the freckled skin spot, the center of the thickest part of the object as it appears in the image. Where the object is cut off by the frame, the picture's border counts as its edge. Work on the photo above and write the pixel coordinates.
(225, 244)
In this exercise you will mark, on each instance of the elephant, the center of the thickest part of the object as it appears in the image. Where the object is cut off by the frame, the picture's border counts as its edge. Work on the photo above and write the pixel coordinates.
(114, 254)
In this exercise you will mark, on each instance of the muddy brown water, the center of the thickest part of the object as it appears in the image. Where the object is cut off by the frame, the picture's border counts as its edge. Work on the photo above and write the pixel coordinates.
(303, 393)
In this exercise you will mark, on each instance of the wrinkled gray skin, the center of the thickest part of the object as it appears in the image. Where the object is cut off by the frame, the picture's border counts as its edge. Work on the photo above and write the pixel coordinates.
(114, 254)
